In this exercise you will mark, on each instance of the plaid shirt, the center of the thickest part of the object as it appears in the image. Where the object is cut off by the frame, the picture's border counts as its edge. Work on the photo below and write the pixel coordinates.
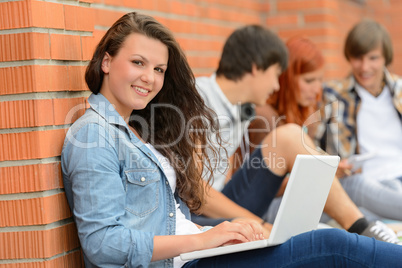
(336, 132)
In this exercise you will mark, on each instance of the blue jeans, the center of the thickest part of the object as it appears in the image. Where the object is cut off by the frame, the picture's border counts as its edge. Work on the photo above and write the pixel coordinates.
(253, 187)
(321, 248)
(383, 198)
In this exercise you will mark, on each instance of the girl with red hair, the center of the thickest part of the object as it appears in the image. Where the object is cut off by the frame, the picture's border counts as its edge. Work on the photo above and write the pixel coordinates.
(301, 84)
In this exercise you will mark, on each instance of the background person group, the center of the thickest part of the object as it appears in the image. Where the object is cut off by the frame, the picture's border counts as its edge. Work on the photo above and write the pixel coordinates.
(301, 100)
(238, 80)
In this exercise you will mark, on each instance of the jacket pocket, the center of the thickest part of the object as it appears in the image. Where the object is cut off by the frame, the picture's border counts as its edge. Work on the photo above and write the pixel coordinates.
(142, 191)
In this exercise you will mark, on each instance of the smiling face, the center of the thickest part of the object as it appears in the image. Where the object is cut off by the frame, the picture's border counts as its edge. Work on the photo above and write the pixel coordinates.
(135, 75)
(368, 69)
(264, 83)
(310, 86)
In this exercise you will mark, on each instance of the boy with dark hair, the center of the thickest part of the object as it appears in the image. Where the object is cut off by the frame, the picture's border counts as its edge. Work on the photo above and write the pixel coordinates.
(252, 59)
(266, 50)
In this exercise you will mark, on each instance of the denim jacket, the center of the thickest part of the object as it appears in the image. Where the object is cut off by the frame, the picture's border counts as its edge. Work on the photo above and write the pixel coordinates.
(116, 189)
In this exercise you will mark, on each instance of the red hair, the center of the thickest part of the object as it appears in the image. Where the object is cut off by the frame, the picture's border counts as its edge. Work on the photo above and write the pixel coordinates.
(304, 57)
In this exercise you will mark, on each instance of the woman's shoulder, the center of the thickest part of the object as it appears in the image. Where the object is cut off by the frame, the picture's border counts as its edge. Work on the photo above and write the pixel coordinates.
(90, 128)
(90, 117)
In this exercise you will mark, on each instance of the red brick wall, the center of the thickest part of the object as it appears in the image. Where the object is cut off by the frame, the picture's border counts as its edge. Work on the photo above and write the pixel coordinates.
(44, 48)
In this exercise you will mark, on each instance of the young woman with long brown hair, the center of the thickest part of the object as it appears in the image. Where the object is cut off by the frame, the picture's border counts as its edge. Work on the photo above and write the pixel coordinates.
(131, 183)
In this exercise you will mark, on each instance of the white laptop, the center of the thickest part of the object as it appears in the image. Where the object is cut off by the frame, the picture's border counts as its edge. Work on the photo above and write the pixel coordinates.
(301, 207)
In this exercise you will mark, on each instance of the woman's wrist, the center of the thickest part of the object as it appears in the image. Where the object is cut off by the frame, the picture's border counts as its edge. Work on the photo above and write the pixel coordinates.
(206, 228)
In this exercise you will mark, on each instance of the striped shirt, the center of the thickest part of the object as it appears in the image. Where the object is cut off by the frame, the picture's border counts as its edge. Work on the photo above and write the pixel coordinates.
(337, 131)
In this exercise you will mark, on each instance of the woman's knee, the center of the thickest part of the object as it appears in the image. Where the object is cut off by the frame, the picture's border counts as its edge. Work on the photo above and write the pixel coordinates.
(332, 238)
(287, 131)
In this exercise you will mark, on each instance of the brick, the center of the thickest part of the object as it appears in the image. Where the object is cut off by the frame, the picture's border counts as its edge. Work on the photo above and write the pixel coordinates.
(199, 28)
(14, 15)
(321, 18)
(355, 11)
(203, 62)
(79, 18)
(299, 5)
(24, 46)
(201, 45)
(114, 2)
(89, 44)
(309, 32)
(51, 78)
(72, 259)
(38, 244)
(380, 6)
(106, 18)
(31, 145)
(265, 7)
(240, 5)
(166, 7)
(97, 34)
(30, 178)
(47, 15)
(282, 20)
(26, 113)
(178, 7)
(15, 80)
(394, 3)
(41, 78)
(190, 9)
(76, 78)
(35, 211)
(88, 47)
(252, 5)
(42, 112)
(140, 4)
(232, 15)
(66, 111)
(65, 47)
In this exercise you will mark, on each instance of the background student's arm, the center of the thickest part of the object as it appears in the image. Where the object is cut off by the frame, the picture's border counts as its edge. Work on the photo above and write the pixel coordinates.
(217, 205)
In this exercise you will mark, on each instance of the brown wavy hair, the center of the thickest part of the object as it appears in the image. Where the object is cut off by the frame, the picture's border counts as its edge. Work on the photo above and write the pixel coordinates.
(185, 145)
(366, 36)
(304, 57)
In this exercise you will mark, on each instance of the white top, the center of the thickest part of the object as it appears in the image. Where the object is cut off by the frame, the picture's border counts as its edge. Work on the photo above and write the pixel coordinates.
(379, 130)
(231, 128)
(183, 226)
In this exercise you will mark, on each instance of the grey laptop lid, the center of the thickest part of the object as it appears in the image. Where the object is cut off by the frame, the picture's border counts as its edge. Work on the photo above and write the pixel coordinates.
(301, 207)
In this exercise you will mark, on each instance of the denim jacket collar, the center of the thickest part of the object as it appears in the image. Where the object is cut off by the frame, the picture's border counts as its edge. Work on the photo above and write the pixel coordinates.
(106, 110)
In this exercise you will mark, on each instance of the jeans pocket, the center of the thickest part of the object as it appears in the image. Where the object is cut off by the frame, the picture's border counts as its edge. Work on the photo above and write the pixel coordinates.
(142, 191)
